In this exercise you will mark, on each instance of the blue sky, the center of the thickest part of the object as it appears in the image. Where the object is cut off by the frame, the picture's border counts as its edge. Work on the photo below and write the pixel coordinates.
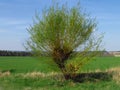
(17, 15)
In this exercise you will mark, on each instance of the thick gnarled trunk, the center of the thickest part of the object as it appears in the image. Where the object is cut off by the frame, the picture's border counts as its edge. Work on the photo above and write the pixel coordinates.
(60, 58)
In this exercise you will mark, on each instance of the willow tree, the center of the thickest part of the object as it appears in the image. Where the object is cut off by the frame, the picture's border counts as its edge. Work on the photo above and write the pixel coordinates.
(67, 35)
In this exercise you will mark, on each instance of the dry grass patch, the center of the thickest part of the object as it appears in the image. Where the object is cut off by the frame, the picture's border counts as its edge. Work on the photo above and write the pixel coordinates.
(115, 74)
(97, 75)
(4, 74)
(35, 75)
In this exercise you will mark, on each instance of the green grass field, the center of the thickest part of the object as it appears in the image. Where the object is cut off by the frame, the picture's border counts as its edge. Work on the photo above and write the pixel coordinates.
(21, 66)
(27, 64)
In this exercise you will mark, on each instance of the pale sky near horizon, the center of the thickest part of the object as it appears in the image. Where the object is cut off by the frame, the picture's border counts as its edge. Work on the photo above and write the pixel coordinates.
(17, 15)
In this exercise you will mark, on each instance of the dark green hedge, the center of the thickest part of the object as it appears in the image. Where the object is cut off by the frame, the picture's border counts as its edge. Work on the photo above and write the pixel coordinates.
(14, 53)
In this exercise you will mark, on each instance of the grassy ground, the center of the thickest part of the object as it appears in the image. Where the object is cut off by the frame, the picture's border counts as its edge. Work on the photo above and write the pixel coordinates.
(28, 73)
(27, 64)
(102, 63)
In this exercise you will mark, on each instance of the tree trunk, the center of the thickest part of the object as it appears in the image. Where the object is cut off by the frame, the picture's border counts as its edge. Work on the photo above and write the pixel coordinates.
(67, 75)
(60, 58)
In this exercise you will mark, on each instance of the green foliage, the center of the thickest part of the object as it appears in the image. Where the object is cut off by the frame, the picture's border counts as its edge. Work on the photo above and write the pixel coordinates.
(61, 32)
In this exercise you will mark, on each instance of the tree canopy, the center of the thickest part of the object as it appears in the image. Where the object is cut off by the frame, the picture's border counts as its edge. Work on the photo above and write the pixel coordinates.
(67, 35)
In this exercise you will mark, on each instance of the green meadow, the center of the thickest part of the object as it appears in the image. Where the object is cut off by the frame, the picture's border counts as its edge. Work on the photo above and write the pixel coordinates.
(29, 73)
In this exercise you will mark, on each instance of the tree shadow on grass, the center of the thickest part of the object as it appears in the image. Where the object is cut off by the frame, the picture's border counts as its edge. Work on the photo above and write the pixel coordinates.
(92, 77)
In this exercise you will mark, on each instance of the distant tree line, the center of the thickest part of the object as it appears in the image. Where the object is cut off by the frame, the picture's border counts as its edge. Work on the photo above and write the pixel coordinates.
(25, 53)
(14, 53)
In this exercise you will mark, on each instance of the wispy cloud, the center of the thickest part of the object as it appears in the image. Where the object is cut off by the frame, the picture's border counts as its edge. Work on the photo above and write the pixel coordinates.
(11, 27)
(12, 21)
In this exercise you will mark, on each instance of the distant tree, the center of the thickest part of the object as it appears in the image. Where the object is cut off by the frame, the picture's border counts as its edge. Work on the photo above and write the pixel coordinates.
(67, 35)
